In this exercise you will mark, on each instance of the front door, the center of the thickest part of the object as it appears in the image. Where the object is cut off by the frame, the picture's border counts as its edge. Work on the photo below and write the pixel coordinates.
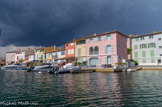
(159, 61)
(94, 61)
(109, 60)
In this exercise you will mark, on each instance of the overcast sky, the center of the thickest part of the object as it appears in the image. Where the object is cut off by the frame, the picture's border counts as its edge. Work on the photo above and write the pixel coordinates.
(55, 22)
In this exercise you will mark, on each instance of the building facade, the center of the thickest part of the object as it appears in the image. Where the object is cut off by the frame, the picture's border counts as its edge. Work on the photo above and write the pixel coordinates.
(59, 56)
(10, 57)
(80, 50)
(48, 54)
(39, 54)
(108, 48)
(70, 52)
(147, 49)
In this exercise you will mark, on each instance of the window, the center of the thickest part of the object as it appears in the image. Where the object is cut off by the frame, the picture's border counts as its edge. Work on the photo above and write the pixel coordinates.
(136, 54)
(99, 39)
(143, 54)
(91, 40)
(144, 60)
(108, 49)
(152, 60)
(143, 46)
(108, 37)
(71, 44)
(151, 45)
(38, 50)
(160, 46)
(71, 51)
(91, 51)
(62, 52)
(152, 53)
(135, 47)
(137, 39)
(151, 37)
(159, 38)
(79, 52)
(142, 38)
(96, 50)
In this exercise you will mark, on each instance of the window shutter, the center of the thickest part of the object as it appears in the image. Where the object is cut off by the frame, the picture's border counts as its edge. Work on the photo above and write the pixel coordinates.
(112, 59)
(88, 61)
(105, 49)
(112, 49)
(148, 45)
(105, 59)
(145, 45)
(97, 39)
(88, 40)
(154, 45)
(99, 61)
(140, 46)
(111, 37)
(105, 37)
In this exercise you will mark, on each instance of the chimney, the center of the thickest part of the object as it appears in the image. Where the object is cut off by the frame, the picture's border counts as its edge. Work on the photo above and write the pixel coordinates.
(54, 47)
(155, 31)
(94, 34)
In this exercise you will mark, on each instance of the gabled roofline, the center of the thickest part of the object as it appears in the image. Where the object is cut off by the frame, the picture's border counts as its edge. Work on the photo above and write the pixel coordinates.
(146, 34)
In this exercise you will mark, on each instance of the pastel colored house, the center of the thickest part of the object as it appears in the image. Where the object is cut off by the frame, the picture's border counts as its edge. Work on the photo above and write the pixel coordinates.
(59, 56)
(20, 55)
(107, 48)
(80, 50)
(48, 54)
(30, 55)
(147, 49)
(39, 54)
(70, 52)
(10, 57)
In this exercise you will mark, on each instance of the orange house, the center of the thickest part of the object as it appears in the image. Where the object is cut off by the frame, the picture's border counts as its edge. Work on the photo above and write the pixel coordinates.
(70, 52)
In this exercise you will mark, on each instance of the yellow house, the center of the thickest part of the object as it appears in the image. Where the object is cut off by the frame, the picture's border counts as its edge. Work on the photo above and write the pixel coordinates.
(80, 50)
(48, 54)
(39, 54)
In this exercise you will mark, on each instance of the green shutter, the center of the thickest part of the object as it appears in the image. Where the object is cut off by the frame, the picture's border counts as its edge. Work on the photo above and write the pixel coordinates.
(152, 60)
(143, 54)
(135, 47)
(144, 60)
(137, 39)
(148, 45)
(136, 54)
(154, 45)
(145, 45)
(152, 53)
(140, 46)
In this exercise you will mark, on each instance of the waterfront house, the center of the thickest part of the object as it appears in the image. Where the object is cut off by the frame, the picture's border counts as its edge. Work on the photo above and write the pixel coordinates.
(108, 48)
(10, 57)
(80, 50)
(59, 56)
(30, 55)
(48, 54)
(20, 55)
(147, 48)
(70, 52)
(39, 54)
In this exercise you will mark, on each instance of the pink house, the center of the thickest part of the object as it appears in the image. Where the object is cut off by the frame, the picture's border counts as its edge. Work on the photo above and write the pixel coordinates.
(10, 57)
(108, 48)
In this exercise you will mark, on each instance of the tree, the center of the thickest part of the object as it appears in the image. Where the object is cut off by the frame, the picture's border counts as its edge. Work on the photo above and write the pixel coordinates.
(129, 51)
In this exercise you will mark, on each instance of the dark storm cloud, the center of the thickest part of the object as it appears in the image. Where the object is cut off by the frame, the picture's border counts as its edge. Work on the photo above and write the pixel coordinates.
(49, 22)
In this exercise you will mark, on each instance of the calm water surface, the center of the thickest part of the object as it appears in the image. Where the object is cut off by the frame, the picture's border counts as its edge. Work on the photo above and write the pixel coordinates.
(141, 88)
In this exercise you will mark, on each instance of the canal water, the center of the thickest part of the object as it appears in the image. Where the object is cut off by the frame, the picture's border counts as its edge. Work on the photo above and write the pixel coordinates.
(140, 88)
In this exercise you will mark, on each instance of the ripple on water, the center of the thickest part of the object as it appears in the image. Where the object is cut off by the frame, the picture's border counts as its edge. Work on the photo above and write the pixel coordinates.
(142, 88)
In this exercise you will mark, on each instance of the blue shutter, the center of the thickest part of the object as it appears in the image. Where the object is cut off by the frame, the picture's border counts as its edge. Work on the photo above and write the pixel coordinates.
(99, 61)
(105, 49)
(105, 37)
(112, 49)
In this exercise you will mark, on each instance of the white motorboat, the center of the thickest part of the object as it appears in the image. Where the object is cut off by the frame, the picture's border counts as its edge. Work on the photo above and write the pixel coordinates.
(43, 68)
(14, 68)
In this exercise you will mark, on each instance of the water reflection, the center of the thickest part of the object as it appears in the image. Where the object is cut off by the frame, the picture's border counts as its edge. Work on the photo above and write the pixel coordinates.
(86, 89)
